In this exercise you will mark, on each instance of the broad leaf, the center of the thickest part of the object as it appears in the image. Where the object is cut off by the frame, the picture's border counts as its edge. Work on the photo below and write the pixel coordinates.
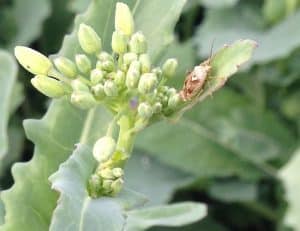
(227, 25)
(63, 126)
(290, 177)
(168, 215)
(30, 16)
(223, 136)
(156, 180)
(76, 210)
(8, 72)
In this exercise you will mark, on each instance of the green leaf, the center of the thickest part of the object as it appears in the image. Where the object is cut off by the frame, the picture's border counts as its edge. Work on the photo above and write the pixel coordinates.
(290, 177)
(224, 136)
(157, 181)
(8, 72)
(218, 3)
(169, 215)
(227, 25)
(76, 210)
(234, 191)
(30, 16)
(55, 135)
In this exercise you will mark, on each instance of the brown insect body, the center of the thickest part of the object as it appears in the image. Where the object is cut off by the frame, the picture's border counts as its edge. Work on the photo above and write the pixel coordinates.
(195, 81)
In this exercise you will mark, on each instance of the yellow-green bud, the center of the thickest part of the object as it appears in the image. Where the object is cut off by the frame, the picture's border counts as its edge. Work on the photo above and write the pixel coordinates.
(106, 185)
(89, 40)
(120, 78)
(78, 85)
(66, 67)
(111, 75)
(48, 86)
(157, 107)
(137, 43)
(83, 63)
(174, 101)
(96, 76)
(98, 91)
(171, 91)
(133, 75)
(129, 57)
(107, 66)
(116, 186)
(157, 71)
(94, 185)
(104, 56)
(124, 19)
(83, 100)
(169, 67)
(145, 111)
(117, 172)
(33, 61)
(147, 83)
(110, 88)
(104, 148)
(119, 42)
(106, 173)
(145, 63)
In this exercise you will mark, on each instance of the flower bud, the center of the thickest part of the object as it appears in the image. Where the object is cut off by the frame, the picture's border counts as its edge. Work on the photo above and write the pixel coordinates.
(106, 173)
(48, 86)
(124, 19)
(169, 67)
(94, 185)
(119, 42)
(98, 91)
(96, 76)
(104, 56)
(147, 83)
(104, 148)
(157, 107)
(145, 110)
(116, 186)
(107, 66)
(66, 67)
(171, 91)
(83, 63)
(117, 172)
(33, 61)
(78, 85)
(137, 43)
(157, 71)
(133, 75)
(129, 57)
(83, 100)
(120, 79)
(174, 101)
(145, 63)
(89, 40)
(106, 185)
(110, 88)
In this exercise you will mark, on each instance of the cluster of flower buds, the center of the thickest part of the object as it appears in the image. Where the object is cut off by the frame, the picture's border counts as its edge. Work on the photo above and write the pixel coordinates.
(125, 80)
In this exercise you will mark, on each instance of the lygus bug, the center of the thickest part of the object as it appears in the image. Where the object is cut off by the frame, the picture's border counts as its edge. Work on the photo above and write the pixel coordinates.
(196, 79)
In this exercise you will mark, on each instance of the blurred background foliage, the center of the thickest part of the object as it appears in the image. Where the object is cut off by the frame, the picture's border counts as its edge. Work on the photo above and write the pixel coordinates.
(236, 151)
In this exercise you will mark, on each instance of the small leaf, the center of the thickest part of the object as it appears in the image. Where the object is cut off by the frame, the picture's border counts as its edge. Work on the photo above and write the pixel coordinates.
(169, 215)
(289, 174)
(223, 65)
(8, 72)
(76, 210)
